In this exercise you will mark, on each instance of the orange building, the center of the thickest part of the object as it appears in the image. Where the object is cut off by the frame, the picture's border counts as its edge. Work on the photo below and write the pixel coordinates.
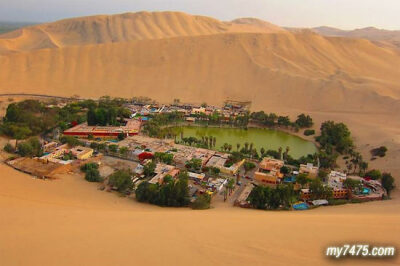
(269, 171)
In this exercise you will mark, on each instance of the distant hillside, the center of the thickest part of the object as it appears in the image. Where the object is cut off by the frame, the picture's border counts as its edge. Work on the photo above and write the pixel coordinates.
(379, 36)
(167, 55)
(124, 27)
(11, 26)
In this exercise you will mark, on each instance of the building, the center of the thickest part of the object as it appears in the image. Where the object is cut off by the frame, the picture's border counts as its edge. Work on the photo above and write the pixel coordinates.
(269, 164)
(49, 147)
(233, 169)
(196, 177)
(269, 171)
(131, 128)
(309, 169)
(79, 152)
(82, 153)
(242, 201)
(336, 179)
(162, 170)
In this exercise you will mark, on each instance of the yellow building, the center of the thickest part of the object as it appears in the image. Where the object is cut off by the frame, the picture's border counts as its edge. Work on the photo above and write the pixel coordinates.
(82, 153)
(272, 177)
(309, 169)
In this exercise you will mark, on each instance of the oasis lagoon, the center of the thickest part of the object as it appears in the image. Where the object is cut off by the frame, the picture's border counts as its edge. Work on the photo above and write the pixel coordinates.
(260, 137)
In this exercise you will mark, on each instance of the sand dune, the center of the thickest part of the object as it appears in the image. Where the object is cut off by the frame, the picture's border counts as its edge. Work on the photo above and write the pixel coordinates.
(70, 222)
(380, 36)
(342, 74)
(174, 55)
(124, 27)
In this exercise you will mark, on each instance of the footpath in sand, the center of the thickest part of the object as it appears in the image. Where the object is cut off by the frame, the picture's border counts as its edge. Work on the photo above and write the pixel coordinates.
(69, 222)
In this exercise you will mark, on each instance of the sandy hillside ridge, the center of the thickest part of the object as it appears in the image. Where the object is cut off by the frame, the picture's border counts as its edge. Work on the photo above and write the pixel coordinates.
(199, 59)
(380, 36)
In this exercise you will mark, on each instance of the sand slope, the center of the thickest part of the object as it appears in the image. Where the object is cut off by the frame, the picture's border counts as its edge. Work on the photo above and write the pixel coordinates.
(70, 222)
(124, 27)
(380, 36)
(168, 55)
(340, 73)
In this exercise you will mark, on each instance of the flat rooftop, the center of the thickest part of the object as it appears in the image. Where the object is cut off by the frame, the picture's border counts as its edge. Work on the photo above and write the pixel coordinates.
(131, 126)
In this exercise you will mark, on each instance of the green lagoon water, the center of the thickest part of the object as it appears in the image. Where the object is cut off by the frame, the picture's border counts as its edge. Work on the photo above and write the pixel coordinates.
(267, 138)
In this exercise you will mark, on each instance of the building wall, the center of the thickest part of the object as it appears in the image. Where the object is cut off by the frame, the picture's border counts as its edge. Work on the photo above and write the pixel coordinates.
(266, 178)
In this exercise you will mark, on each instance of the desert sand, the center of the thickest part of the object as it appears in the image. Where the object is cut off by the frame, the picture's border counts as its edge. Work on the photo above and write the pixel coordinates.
(174, 55)
(69, 222)
(379, 36)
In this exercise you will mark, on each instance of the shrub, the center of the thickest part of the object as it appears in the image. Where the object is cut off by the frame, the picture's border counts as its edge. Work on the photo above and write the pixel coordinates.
(122, 180)
(113, 148)
(381, 151)
(337, 201)
(202, 202)
(70, 140)
(170, 193)
(89, 166)
(304, 121)
(309, 132)
(249, 166)
(8, 148)
(30, 148)
(388, 182)
(93, 175)
(374, 174)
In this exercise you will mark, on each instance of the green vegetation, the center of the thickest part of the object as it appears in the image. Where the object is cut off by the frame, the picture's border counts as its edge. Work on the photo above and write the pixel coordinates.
(381, 151)
(113, 148)
(388, 182)
(163, 157)
(302, 179)
(249, 166)
(30, 148)
(202, 202)
(171, 193)
(121, 180)
(272, 120)
(335, 136)
(70, 140)
(374, 174)
(194, 165)
(309, 132)
(31, 117)
(148, 169)
(92, 173)
(304, 121)
(282, 196)
(9, 148)
(334, 202)
(154, 127)
(319, 190)
(352, 184)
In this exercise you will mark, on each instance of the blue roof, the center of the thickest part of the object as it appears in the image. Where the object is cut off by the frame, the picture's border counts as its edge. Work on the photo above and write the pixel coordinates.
(300, 206)
(289, 179)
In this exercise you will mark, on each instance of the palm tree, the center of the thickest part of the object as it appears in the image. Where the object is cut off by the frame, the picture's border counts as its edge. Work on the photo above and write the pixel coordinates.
(285, 155)
(262, 151)
(251, 146)
(363, 167)
(246, 146)
(206, 142)
(215, 141)
(237, 146)
(280, 152)
(229, 148)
